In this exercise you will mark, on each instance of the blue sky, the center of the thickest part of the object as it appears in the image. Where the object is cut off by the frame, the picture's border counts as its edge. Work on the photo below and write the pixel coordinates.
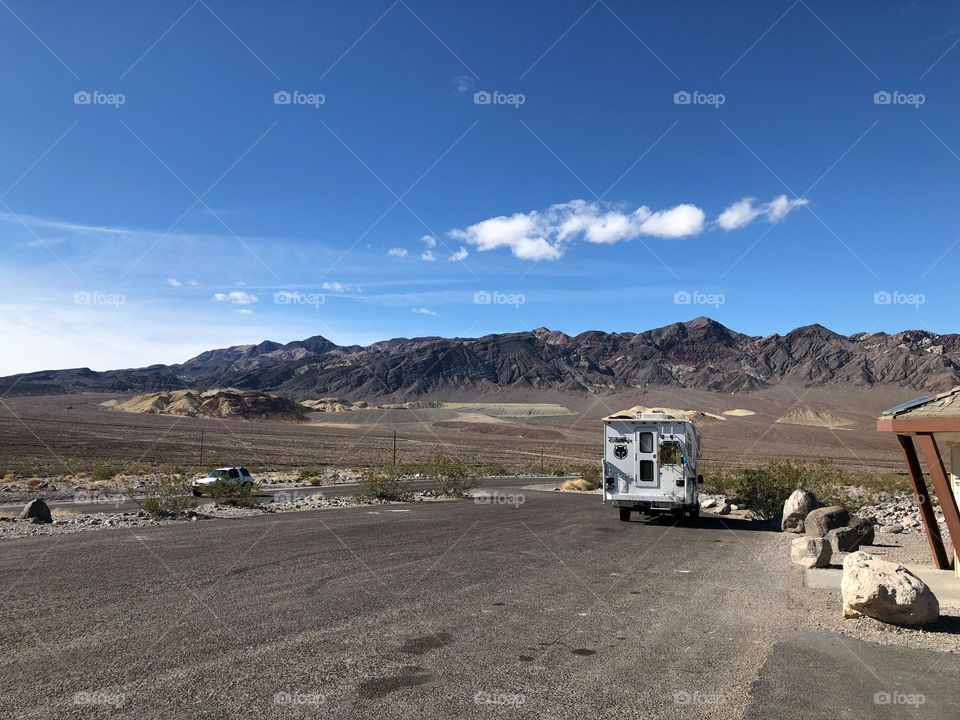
(636, 164)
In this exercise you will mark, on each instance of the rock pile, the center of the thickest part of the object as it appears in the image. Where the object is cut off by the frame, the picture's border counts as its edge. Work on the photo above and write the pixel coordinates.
(897, 514)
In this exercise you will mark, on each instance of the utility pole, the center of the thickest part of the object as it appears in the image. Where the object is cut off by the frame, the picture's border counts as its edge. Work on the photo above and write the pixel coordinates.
(201, 448)
(394, 450)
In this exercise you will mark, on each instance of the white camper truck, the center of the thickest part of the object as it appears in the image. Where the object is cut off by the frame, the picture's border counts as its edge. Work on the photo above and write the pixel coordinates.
(651, 464)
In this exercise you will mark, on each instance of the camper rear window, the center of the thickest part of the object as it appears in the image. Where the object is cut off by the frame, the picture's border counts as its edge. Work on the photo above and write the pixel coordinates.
(646, 470)
(646, 442)
(671, 453)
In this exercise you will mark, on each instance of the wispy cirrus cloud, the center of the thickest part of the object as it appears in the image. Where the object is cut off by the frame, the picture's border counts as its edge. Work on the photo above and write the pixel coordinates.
(743, 212)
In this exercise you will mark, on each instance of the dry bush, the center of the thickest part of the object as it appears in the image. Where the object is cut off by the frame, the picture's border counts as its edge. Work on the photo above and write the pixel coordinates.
(383, 484)
(102, 473)
(580, 484)
(34, 483)
(452, 476)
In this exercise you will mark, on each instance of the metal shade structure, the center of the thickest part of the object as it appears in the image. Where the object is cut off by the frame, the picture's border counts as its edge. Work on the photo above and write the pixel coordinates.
(918, 425)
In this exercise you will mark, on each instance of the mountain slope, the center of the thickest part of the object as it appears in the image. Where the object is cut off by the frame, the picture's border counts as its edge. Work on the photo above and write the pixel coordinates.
(700, 354)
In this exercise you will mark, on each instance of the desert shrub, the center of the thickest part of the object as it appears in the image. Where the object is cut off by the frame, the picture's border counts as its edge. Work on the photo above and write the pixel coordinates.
(9, 477)
(238, 495)
(314, 481)
(102, 473)
(578, 484)
(591, 475)
(383, 484)
(34, 483)
(170, 497)
(452, 477)
(763, 491)
(307, 474)
(495, 470)
(559, 472)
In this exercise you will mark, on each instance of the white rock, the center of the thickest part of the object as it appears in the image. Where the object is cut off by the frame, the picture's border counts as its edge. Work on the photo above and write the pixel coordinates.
(811, 552)
(892, 529)
(795, 509)
(885, 591)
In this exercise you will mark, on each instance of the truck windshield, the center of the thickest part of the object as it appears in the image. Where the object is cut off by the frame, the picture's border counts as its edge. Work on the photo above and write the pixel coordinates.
(671, 452)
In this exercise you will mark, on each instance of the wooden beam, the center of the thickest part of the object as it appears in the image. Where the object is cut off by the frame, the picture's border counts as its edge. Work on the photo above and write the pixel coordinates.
(922, 497)
(918, 425)
(938, 475)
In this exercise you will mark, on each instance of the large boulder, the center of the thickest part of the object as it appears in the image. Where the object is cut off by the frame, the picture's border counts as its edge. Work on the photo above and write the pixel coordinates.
(865, 529)
(822, 520)
(811, 552)
(886, 591)
(795, 509)
(844, 539)
(36, 511)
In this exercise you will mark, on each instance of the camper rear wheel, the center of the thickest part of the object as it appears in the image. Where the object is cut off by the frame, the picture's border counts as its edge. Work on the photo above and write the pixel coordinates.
(625, 514)
(695, 513)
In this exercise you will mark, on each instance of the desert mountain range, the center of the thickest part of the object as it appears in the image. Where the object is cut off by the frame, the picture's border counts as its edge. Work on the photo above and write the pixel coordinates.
(701, 354)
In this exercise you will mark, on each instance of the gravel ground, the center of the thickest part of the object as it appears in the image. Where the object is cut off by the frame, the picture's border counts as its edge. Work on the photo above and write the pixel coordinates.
(823, 607)
(64, 523)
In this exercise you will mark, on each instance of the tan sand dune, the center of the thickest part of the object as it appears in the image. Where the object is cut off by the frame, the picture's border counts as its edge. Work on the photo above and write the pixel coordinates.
(739, 412)
(806, 416)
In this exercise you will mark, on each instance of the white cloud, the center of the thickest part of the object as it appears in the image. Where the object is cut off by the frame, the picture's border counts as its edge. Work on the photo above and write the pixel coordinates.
(743, 212)
(425, 311)
(192, 283)
(463, 84)
(339, 287)
(173, 282)
(397, 252)
(237, 297)
(547, 235)
(429, 240)
(459, 255)
(428, 256)
(244, 311)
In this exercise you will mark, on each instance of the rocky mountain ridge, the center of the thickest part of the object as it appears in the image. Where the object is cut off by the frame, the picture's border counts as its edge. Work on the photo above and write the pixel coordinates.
(700, 353)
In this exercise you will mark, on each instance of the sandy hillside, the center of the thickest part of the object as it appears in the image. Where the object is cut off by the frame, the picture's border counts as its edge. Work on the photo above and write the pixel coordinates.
(806, 416)
(244, 404)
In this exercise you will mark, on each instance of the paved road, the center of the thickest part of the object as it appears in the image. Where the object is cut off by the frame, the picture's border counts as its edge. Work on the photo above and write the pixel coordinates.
(550, 607)
(113, 503)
